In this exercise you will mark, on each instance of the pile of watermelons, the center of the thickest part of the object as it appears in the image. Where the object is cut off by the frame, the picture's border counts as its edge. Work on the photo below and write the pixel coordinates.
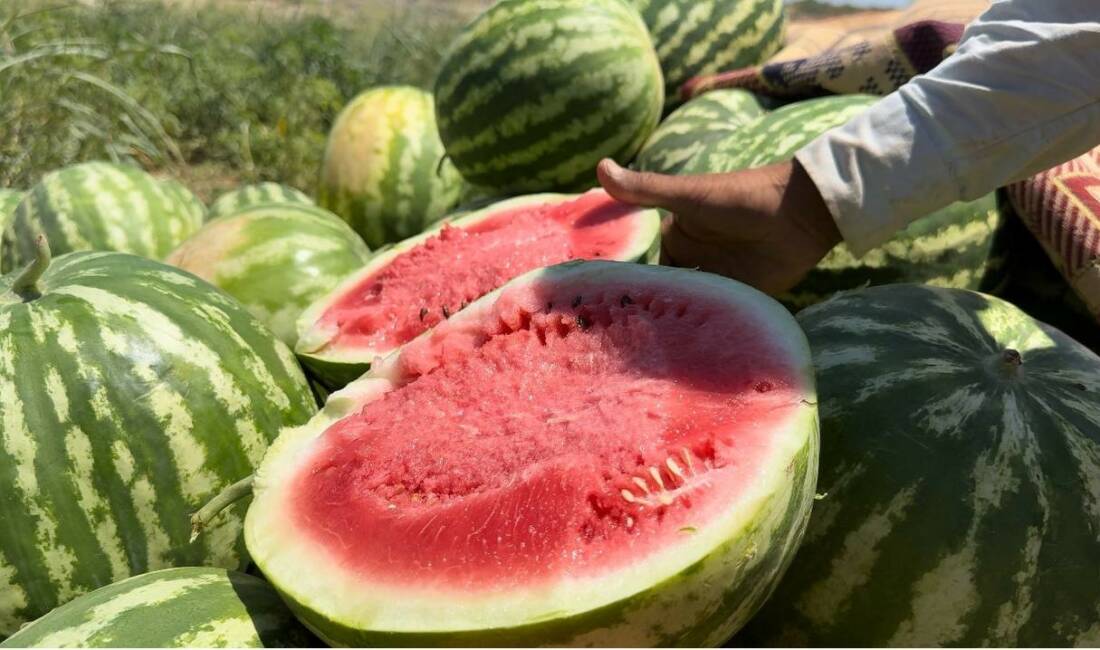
(454, 402)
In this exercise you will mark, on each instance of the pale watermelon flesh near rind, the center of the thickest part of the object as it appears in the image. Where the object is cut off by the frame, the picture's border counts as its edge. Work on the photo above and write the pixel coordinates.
(172, 608)
(556, 464)
(422, 281)
(961, 473)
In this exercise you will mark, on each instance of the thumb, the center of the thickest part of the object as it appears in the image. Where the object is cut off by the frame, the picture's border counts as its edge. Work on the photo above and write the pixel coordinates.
(677, 194)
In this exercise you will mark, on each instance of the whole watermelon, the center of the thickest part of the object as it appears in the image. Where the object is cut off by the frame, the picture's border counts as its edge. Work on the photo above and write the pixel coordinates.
(99, 206)
(384, 170)
(688, 130)
(132, 393)
(274, 259)
(954, 247)
(533, 94)
(185, 196)
(171, 608)
(250, 196)
(960, 479)
(697, 37)
(9, 200)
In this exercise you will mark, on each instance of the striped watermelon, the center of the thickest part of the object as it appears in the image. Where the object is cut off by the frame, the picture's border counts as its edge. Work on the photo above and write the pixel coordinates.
(953, 247)
(689, 129)
(9, 200)
(696, 37)
(533, 94)
(578, 459)
(99, 206)
(960, 470)
(384, 170)
(132, 392)
(185, 196)
(250, 196)
(274, 259)
(171, 608)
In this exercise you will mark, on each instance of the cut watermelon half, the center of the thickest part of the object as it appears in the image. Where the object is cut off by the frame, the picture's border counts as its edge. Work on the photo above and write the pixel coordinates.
(424, 280)
(596, 454)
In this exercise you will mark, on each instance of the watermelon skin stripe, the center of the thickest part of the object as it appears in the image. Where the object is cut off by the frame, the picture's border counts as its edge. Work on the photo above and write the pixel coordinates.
(132, 394)
(962, 506)
(197, 211)
(534, 93)
(276, 259)
(698, 37)
(745, 566)
(171, 608)
(385, 170)
(251, 196)
(99, 206)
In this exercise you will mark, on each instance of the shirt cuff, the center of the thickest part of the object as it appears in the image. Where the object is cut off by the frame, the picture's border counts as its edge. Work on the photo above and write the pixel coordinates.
(876, 176)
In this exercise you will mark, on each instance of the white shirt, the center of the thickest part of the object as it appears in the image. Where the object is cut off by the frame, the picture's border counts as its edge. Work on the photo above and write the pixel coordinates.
(1021, 95)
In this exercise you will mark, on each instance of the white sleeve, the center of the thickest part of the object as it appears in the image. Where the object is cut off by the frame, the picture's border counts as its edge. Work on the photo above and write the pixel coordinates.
(1021, 94)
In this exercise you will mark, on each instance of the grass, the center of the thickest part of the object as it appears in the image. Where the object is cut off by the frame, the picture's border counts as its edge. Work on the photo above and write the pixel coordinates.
(217, 95)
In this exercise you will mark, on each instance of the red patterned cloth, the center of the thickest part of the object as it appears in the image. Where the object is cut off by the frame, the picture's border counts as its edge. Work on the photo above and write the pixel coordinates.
(1061, 208)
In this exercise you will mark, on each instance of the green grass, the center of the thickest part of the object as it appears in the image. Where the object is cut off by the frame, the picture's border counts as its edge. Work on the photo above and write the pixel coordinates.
(217, 95)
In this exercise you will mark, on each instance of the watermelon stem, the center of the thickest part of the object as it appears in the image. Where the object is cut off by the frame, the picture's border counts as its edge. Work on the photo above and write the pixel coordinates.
(227, 497)
(1011, 360)
(26, 285)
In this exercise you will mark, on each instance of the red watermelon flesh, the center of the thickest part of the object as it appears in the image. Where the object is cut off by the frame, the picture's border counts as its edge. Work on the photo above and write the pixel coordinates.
(569, 430)
(401, 294)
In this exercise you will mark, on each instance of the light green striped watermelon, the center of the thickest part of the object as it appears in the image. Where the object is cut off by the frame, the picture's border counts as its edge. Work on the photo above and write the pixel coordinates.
(953, 247)
(697, 37)
(250, 196)
(132, 393)
(9, 200)
(579, 459)
(533, 94)
(960, 474)
(187, 197)
(99, 206)
(274, 259)
(172, 608)
(384, 170)
(688, 130)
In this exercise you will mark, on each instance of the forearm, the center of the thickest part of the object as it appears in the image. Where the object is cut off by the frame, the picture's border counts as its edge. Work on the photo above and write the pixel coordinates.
(1022, 94)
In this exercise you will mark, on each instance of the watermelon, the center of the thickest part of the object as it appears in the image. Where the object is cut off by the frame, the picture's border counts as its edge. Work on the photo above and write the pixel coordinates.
(953, 247)
(9, 200)
(171, 608)
(532, 95)
(688, 130)
(422, 281)
(384, 169)
(185, 196)
(961, 479)
(132, 392)
(99, 206)
(250, 196)
(585, 457)
(697, 37)
(275, 259)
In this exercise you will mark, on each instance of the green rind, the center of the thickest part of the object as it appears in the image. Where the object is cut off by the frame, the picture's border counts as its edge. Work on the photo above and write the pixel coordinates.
(132, 393)
(250, 196)
(533, 94)
(385, 171)
(171, 608)
(336, 369)
(699, 37)
(953, 247)
(99, 206)
(9, 200)
(186, 197)
(275, 259)
(693, 126)
(962, 494)
(703, 604)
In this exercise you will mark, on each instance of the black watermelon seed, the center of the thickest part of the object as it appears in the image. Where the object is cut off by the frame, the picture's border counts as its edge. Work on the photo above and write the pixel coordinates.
(577, 302)
(423, 313)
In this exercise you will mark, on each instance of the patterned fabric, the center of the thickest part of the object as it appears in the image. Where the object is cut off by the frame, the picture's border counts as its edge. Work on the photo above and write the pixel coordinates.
(1061, 208)
(876, 66)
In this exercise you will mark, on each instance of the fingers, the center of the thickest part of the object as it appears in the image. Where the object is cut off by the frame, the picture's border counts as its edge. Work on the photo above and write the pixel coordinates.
(678, 194)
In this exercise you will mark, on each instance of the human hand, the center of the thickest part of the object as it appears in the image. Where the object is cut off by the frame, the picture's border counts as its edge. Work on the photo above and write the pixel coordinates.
(767, 227)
